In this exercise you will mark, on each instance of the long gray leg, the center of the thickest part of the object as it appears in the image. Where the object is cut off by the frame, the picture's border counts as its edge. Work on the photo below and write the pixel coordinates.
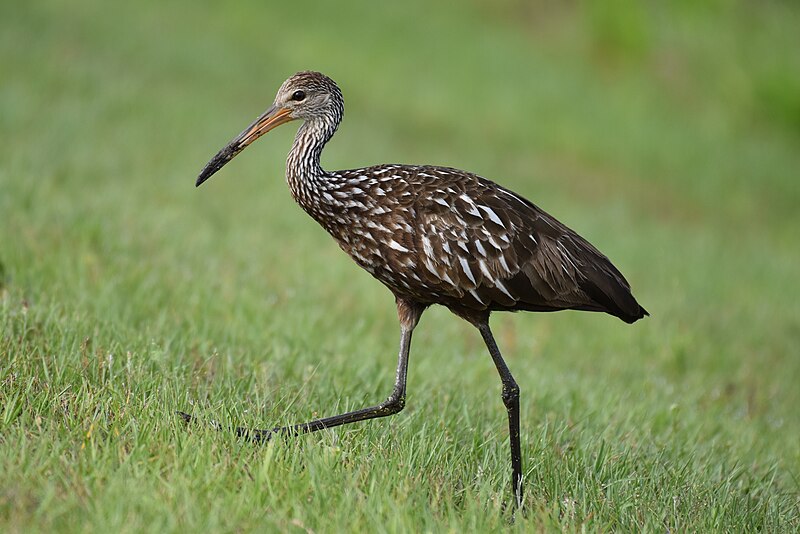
(409, 314)
(511, 400)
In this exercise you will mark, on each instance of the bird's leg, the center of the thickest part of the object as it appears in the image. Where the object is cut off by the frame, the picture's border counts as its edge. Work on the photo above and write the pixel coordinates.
(392, 405)
(511, 400)
(409, 316)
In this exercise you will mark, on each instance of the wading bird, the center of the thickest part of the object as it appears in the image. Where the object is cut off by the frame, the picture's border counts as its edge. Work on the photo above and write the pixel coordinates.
(433, 235)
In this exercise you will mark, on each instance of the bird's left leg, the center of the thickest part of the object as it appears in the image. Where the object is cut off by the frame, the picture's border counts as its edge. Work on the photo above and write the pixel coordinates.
(409, 313)
(511, 400)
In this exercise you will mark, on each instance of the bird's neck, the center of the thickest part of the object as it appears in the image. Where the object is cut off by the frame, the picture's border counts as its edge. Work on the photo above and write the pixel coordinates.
(303, 169)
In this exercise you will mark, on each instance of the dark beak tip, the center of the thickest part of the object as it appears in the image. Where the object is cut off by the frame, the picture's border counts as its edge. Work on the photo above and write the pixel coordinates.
(205, 175)
(267, 121)
(219, 161)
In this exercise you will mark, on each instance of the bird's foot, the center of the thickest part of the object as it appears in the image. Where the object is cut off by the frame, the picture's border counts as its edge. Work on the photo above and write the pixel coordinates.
(254, 435)
(185, 416)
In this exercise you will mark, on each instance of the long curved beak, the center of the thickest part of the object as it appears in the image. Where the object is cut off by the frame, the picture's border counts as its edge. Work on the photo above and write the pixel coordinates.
(271, 118)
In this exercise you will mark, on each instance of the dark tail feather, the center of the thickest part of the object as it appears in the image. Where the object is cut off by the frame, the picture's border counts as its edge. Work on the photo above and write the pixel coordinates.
(642, 313)
(608, 287)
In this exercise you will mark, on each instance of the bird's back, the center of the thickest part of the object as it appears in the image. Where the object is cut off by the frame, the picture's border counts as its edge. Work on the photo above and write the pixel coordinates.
(445, 236)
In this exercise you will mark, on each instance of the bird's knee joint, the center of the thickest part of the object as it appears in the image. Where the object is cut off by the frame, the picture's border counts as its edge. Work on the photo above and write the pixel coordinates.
(393, 405)
(510, 394)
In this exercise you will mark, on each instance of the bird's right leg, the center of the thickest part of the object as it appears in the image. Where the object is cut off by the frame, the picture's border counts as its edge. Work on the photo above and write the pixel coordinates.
(409, 314)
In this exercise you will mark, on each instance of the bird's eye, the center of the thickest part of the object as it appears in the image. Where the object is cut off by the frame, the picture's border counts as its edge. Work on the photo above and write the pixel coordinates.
(297, 96)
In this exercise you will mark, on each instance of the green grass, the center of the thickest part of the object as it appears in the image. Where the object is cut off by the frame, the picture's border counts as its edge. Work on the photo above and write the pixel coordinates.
(668, 136)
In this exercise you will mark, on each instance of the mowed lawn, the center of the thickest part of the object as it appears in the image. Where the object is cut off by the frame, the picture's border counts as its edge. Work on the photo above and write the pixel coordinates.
(668, 136)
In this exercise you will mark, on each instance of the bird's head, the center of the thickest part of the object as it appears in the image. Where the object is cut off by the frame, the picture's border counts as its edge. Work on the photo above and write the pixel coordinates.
(308, 96)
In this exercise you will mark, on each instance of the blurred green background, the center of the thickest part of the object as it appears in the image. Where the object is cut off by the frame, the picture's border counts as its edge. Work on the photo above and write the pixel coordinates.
(667, 133)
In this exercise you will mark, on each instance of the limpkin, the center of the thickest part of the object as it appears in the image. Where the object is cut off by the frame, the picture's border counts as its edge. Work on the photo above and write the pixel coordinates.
(433, 235)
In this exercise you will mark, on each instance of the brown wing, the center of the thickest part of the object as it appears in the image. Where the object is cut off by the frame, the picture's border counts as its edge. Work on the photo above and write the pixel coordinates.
(486, 248)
